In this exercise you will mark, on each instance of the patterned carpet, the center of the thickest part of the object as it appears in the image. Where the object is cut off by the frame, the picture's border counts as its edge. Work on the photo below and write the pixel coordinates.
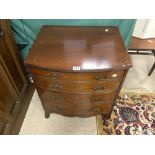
(134, 114)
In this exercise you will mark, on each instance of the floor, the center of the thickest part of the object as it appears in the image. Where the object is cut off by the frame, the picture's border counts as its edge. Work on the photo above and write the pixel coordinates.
(137, 77)
(35, 123)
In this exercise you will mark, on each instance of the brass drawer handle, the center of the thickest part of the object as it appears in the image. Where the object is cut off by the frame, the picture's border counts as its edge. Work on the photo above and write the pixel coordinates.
(99, 88)
(97, 99)
(95, 110)
(1, 32)
(57, 98)
(52, 75)
(55, 87)
(100, 77)
(56, 109)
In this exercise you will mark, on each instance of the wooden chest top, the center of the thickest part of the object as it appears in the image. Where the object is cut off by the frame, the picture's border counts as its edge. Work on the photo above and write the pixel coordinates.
(78, 48)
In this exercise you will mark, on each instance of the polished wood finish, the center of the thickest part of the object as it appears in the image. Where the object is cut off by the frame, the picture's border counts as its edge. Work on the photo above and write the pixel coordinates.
(62, 47)
(76, 104)
(81, 76)
(142, 44)
(82, 87)
(67, 98)
(13, 83)
(78, 71)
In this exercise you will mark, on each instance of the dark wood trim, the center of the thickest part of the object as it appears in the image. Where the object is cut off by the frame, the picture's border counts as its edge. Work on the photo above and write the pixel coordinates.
(152, 69)
(81, 71)
(153, 66)
(139, 49)
(140, 53)
(9, 80)
(22, 111)
(20, 90)
(14, 51)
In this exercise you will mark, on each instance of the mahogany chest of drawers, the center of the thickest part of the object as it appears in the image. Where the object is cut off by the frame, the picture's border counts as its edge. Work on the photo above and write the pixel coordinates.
(78, 70)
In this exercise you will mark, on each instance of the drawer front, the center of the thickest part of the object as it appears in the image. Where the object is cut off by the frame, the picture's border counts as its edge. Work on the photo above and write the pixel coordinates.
(77, 105)
(76, 87)
(100, 76)
(73, 99)
(78, 110)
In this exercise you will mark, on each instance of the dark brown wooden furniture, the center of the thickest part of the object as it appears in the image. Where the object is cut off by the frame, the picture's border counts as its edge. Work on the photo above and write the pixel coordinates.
(143, 47)
(15, 89)
(78, 71)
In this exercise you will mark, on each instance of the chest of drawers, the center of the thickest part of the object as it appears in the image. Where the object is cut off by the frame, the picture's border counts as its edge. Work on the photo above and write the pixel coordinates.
(78, 71)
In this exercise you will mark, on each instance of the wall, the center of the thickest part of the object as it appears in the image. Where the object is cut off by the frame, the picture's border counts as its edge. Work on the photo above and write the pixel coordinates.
(144, 28)
(26, 30)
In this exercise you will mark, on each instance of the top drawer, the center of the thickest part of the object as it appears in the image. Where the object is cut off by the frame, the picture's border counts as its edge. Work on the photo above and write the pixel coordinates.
(99, 76)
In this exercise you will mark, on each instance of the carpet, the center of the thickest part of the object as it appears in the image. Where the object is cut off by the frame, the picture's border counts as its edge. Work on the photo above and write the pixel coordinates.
(133, 114)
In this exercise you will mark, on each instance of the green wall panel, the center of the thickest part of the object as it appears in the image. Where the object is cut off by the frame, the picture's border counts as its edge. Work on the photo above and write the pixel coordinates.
(26, 30)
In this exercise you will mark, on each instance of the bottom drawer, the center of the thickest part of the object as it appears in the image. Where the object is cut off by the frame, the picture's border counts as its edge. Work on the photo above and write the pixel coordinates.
(79, 110)
(76, 104)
